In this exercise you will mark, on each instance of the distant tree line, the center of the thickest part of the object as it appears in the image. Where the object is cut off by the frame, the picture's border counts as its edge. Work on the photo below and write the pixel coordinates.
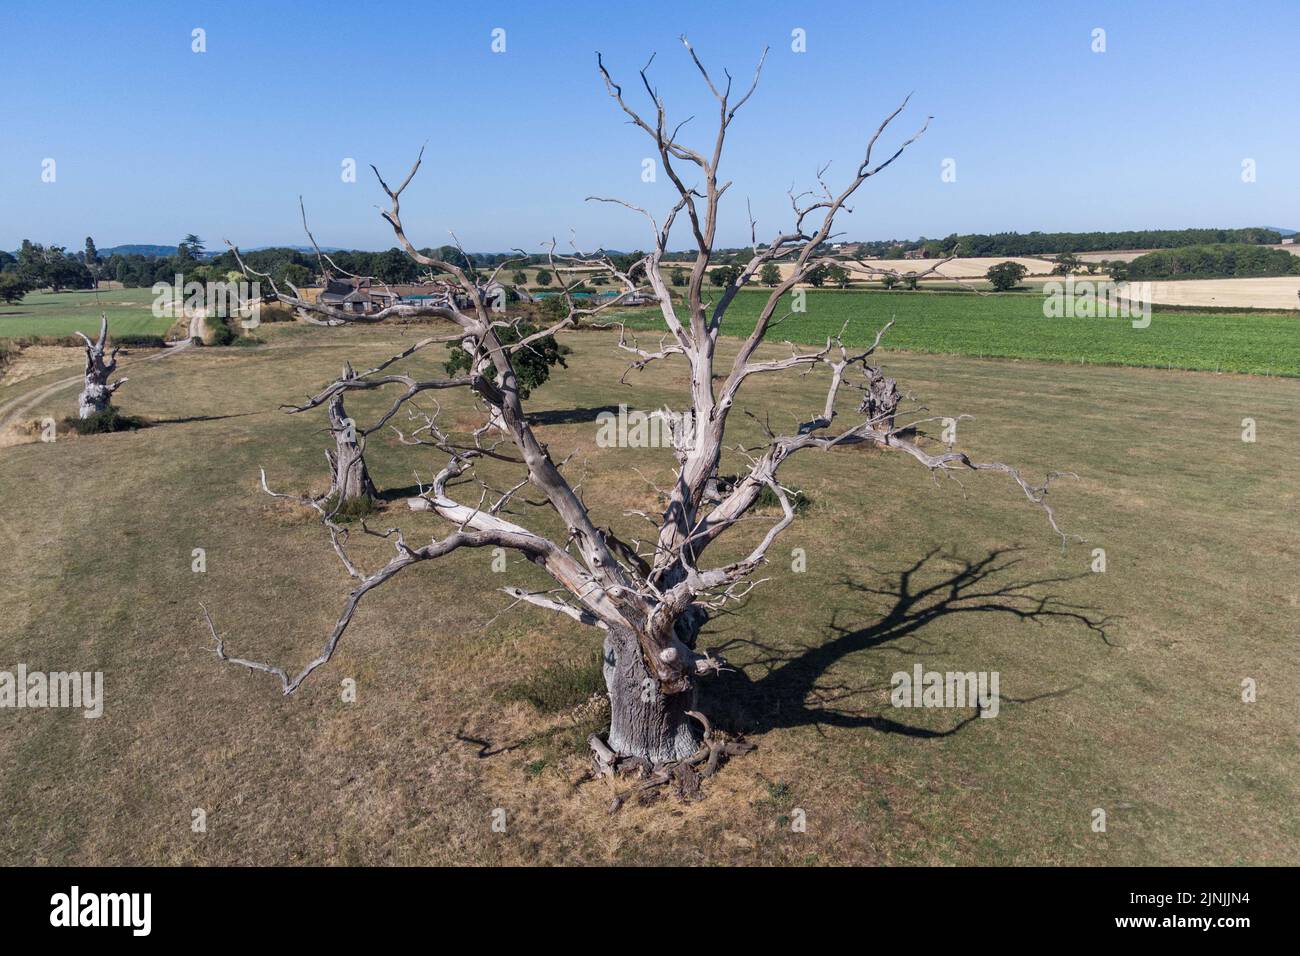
(41, 267)
(1221, 261)
(1183, 252)
(1050, 243)
(56, 268)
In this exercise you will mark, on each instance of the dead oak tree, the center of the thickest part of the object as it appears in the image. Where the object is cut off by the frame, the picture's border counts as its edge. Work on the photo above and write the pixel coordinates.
(349, 478)
(649, 598)
(97, 393)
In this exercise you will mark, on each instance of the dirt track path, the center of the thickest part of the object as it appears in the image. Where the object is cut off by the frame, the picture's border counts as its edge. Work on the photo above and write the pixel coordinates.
(13, 411)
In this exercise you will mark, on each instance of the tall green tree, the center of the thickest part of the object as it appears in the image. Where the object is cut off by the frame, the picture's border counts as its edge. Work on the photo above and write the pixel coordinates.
(191, 247)
(1066, 264)
(91, 259)
(1005, 276)
(532, 365)
(724, 276)
(13, 287)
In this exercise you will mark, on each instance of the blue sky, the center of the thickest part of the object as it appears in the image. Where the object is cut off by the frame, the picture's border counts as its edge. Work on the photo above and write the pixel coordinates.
(152, 140)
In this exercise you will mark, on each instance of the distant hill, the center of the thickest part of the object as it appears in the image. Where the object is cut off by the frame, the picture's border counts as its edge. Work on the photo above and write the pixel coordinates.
(1285, 232)
(299, 248)
(154, 251)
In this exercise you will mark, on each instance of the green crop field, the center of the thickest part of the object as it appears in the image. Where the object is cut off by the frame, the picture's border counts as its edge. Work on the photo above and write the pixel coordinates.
(1013, 326)
(56, 314)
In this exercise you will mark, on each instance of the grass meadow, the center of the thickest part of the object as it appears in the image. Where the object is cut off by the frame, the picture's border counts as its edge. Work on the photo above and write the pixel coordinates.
(1120, 690)
(58, 314)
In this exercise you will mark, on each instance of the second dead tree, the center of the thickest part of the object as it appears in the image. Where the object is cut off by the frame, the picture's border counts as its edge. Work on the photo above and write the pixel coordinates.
(349, 479)
(97, 395)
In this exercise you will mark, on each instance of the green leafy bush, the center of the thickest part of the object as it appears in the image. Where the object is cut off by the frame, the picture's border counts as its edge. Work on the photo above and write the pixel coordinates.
(222, 333)
(1005, 276)
(140, 341)
(108, 420)
(354, 509)
(532, 364)
(767, 499)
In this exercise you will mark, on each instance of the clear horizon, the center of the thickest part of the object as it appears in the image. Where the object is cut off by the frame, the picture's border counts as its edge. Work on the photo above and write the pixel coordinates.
(1044, 134)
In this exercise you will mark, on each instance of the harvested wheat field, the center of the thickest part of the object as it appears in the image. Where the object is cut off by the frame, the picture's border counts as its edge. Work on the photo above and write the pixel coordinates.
(1281, 292)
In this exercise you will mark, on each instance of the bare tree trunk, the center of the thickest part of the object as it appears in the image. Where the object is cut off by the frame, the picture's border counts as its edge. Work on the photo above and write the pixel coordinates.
(349, 478)
(644, 722)
(97, 394)
(880, 399)
(95, 397)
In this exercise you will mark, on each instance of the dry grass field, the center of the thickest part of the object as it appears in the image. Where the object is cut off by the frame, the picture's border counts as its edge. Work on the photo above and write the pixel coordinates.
(1279, 292)
(1120, 690)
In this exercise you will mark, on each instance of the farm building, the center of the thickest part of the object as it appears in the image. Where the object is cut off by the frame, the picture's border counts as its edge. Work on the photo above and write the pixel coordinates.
(355, 295)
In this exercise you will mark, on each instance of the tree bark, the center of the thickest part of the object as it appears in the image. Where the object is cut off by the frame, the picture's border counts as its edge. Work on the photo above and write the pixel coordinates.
(645, 722)
(881, 399)
(350, 479)
(94, 398)
(97, 394)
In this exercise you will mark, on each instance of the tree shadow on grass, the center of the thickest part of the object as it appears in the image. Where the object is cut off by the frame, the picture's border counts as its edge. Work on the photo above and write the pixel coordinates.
(570, 416)
(150, 422)
(400, 493)
(792, 691)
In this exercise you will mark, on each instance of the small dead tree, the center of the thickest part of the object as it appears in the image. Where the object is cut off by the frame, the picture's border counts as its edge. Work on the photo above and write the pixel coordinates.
(97, 395)
(349, 479)
(880, 398)
(650, 598)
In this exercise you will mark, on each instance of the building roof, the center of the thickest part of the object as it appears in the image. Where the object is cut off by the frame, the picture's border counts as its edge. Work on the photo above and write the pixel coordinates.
(345, 290)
